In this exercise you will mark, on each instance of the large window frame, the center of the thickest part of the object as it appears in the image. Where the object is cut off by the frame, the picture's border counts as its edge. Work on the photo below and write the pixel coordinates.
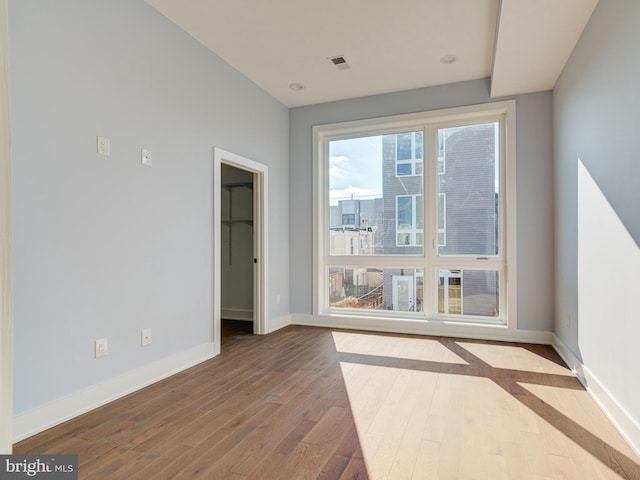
(429, 261)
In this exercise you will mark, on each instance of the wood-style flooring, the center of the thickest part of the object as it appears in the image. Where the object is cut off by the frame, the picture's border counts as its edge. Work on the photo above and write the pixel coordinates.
(313, 403)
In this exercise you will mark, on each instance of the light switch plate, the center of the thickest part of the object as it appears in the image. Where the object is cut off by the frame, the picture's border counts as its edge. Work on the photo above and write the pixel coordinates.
(101, 348)
(103, 146)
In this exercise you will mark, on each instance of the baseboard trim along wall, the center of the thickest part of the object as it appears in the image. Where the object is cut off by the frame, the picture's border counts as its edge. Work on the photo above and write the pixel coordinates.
(278, 323)
(236, 314)
(441, 329)
(54, 413)
(628, 428)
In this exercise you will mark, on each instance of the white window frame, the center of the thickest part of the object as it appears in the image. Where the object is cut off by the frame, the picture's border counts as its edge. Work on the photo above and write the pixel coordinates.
(430, 262)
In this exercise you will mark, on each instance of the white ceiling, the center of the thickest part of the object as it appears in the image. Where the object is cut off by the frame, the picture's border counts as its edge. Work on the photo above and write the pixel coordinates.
(389, 45)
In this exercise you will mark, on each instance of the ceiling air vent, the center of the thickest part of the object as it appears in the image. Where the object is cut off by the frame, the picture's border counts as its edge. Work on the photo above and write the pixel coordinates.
(339, 62)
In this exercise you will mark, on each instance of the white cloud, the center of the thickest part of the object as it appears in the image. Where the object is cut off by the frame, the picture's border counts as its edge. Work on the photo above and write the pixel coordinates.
(336, 172)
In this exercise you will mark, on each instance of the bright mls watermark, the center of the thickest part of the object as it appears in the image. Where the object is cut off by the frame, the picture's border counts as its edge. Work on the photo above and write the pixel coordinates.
(51, 467)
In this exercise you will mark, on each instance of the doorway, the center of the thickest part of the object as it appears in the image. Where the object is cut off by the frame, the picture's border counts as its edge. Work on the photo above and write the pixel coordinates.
(239, 242)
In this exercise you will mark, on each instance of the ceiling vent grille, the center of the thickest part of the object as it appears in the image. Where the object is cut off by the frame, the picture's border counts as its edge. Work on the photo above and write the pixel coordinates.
(340, 62)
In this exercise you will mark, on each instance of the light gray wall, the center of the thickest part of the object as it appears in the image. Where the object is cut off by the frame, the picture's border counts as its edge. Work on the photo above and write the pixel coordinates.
(597, 180)
(104, 246)
(534, 185)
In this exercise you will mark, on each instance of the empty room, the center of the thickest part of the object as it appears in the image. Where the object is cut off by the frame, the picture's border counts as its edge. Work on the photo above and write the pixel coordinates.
(337, 239)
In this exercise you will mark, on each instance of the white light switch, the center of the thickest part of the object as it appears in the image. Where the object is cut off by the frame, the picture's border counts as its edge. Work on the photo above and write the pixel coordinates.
(103, 147)
(146, 157)
(101, 347)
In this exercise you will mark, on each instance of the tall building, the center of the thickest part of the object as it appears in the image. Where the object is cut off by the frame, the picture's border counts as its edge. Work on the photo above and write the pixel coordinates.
(466, 213)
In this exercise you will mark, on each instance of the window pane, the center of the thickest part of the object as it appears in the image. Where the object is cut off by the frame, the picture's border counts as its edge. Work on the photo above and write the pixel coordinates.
(470, 183)
(418, 144)
(419, 212)
(366, 181)
(468, 292)
(403, 169)
(404, 239)
(348, 219)
(404, 146)
(405, 212)
(373, 288)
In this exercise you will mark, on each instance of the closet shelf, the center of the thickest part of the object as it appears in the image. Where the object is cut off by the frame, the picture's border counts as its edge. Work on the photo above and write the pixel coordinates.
(231, 222)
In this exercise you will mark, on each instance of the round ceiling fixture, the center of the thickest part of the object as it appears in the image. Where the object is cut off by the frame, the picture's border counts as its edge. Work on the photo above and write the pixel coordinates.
(296, 86)
(448, 59)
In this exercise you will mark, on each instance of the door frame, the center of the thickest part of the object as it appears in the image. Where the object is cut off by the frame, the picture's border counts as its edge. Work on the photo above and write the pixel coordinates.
(260, 175)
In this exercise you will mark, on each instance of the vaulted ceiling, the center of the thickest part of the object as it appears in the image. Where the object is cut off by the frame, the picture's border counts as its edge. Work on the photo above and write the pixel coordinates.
(289, 47)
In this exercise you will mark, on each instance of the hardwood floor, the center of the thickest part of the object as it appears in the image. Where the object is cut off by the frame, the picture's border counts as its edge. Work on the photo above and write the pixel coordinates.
(306, 403)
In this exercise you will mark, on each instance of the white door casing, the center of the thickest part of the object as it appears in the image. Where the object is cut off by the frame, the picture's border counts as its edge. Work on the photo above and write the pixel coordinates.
(260, 172)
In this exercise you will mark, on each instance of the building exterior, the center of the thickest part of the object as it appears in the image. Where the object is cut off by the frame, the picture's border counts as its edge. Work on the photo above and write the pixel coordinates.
(467, 216)
(359, 214)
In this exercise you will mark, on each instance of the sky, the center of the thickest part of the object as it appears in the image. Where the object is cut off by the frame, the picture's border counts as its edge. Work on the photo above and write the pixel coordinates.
(355, 168)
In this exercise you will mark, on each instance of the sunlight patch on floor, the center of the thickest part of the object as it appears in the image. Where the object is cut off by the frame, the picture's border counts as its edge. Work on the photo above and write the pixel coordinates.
(514, 358)
(417, 423)
(579, 407)
(424, 349)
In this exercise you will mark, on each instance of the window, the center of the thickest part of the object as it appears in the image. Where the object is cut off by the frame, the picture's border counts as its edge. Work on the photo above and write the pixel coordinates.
(348, 219)
(409, 220)
(408, 146)
(439, 228)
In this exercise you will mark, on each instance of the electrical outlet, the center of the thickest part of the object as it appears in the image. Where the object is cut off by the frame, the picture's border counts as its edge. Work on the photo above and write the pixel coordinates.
(102, 347)
(145, 156)
(145, 337)
(103, 147)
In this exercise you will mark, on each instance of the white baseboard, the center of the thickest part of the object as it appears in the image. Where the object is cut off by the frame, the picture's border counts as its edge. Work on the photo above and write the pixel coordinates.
(441, 329)
(236, 314)
(278, 323)
(628, 428)
(570, 358)
(54, 413)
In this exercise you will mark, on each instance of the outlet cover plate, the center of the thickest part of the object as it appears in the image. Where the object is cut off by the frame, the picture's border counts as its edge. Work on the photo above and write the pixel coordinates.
(146, 157)
(145, 337)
